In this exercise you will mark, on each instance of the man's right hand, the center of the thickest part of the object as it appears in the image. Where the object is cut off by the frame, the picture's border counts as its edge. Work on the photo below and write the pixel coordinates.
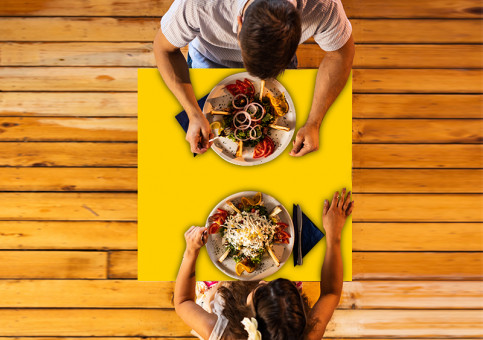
(199, 134)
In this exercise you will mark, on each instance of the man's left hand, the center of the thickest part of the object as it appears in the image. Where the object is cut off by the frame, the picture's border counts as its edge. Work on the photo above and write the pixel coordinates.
(306, 141)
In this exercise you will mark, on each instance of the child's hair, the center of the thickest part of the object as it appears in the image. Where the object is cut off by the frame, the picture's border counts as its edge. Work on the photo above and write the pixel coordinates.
(235, 296)
(280, 309)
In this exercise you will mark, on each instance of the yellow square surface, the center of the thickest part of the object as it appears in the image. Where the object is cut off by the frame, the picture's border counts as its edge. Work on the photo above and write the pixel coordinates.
(177, 190)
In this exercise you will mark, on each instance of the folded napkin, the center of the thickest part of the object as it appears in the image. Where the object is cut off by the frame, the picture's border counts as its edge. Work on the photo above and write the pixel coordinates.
(183, 119)
(311, 235)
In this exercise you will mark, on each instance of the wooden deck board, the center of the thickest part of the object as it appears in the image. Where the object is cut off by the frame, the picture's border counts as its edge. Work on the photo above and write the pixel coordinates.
(417, 236)
(148, 322)
(133, 294)
(69, 206)
(68, 129)
(450, 131)
(61, 235)
(68, 104)
(68, 179)
(417, 106)
(52, 265)
(417, 156)
(69, 154)
(417, 181)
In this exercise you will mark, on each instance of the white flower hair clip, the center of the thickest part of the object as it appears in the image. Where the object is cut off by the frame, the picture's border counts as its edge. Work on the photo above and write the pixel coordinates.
(251, 326)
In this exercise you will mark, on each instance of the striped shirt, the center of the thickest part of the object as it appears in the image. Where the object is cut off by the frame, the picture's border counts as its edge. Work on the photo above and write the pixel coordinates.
(210, 28)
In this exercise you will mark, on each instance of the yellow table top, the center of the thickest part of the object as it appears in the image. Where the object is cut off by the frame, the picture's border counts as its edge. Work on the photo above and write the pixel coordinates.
(177, 190)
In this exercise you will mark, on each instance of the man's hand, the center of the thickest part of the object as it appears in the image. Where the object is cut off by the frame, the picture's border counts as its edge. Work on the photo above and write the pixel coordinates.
(331, 78)
(199, 134)
(334, 216)
(307, 140)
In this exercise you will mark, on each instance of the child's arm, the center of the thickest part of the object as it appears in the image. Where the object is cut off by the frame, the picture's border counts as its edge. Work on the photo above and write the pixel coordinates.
(184, 292)
(331, 278)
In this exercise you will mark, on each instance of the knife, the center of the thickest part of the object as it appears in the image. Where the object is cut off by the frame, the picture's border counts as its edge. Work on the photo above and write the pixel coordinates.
(299, 241)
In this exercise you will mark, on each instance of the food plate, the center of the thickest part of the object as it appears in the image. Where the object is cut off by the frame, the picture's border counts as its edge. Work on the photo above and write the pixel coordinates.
(220, 98)
(267, 266)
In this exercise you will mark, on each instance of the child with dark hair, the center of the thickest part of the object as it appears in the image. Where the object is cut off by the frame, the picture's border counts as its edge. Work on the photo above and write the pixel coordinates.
(273, 310)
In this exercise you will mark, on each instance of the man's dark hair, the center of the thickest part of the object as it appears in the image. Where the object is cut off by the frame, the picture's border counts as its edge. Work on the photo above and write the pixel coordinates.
(269, 37)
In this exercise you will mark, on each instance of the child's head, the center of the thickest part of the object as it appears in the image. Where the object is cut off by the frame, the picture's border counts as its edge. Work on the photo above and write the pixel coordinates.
(278, 306)
(280, 310)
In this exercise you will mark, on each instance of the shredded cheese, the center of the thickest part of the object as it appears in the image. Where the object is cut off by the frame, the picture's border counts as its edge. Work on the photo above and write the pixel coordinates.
(249, 233)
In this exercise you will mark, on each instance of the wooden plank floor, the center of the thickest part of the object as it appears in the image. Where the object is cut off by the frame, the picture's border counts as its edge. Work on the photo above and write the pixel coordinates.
(68, 179)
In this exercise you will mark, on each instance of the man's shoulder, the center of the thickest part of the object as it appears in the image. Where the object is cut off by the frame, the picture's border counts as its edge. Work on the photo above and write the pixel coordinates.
(201, 4)
(309, 5)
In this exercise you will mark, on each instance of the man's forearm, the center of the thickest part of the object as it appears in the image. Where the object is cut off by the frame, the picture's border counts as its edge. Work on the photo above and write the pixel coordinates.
(186, 279)
(331, 79)
(332, 271)
(174, 70)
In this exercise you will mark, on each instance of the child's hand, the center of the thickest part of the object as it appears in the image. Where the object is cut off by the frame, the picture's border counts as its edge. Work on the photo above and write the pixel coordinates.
(196, 238)
(334, 216)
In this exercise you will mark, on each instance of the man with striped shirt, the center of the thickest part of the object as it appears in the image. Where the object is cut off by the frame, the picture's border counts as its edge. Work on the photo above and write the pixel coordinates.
(262, 36)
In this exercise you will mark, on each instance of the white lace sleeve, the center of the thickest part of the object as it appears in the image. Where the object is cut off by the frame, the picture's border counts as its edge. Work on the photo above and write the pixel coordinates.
(217, 306)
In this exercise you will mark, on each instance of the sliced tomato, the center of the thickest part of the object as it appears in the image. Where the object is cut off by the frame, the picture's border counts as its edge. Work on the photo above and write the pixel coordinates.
(214, 217)
(264, 148)
(255, 155)
(217, 218)
(283, 234)
(213, 228)
(242, 86)
(233, 89)
(251, 88)
(260, 149)
(281, 226)
(284, 240)
(222, 212)
(270, 148)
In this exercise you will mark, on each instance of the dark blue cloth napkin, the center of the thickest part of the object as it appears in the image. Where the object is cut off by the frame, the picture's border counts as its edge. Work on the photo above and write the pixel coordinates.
(183, 119)
(311, 235)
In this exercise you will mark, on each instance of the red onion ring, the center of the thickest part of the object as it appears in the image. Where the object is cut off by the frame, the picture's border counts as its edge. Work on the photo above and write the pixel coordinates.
(242, 124)
(254, 128)
(252, 114)
(235, 98)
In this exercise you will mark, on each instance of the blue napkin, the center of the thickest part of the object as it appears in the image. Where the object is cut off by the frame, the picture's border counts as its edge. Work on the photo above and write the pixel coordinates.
(311, 235)
(183, 119)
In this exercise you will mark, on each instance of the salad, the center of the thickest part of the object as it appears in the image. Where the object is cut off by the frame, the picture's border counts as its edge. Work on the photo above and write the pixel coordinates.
(249, 118)
(248, 231)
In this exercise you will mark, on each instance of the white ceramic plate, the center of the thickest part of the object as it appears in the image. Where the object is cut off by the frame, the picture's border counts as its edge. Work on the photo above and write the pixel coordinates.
(266, 267)
(219, 98)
